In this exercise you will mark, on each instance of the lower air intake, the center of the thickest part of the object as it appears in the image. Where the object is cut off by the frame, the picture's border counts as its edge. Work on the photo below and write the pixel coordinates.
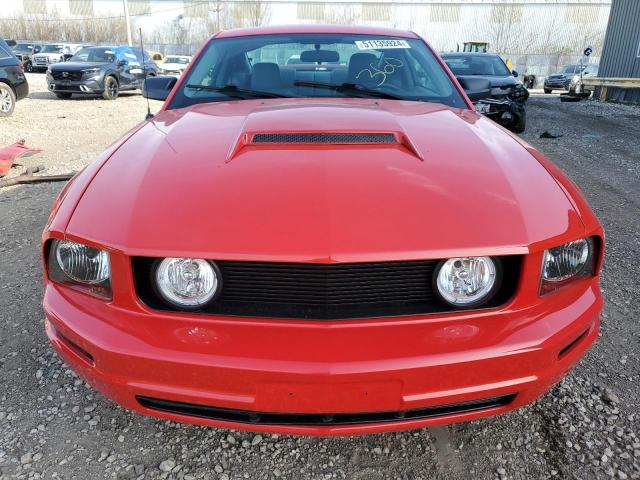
(312, 419)
(334, 138)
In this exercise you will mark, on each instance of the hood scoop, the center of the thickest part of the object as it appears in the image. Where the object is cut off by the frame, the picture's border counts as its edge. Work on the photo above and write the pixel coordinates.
(282, 139)
(330, 138)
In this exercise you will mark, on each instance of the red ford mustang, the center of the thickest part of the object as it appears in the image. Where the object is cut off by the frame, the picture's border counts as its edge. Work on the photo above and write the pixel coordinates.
(319, 235)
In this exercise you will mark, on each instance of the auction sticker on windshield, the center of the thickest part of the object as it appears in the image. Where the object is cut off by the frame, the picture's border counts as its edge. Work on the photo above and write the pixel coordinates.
(373, 44)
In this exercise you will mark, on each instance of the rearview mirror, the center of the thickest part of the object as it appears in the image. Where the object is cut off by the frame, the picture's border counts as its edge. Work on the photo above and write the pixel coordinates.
(319, 56)
(122, 63)
(475, 88)
(158, 88)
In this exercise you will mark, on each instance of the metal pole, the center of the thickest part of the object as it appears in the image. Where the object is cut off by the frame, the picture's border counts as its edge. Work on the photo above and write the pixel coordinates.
(128, 20)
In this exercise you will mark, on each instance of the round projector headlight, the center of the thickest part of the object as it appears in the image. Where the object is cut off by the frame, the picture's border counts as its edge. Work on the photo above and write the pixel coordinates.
(187, 282)
(466, 281)
(82, 263)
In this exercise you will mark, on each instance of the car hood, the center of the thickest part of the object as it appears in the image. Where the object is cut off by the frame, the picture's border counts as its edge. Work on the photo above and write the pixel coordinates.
(191, 183)
(77, 66)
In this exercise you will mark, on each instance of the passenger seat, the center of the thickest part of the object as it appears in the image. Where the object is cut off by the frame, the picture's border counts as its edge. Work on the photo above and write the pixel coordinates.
(266, 77)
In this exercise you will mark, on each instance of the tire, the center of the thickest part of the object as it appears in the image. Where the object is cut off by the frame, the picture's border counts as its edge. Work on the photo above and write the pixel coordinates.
(28, 67)
(547, 90)
(7, 100)
(111, 88)
(63, 95)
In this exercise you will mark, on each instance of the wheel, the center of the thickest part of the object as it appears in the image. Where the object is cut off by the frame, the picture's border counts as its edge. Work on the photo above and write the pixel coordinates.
(111, 89)
(7, 100)
(28, 67)
(547, 90)
(63, 95)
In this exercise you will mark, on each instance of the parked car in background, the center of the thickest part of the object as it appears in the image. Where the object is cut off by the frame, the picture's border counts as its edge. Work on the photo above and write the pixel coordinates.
(174, 64)
(13, 83)
(569, 76)
(508, 97)
(102, 71)
(25, 50)
(26, 47)
(53, 53)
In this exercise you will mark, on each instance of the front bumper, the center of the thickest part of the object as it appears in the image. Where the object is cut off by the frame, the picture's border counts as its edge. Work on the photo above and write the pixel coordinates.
(504, 111)
(87, 87)
(557, 84)
(331, 378)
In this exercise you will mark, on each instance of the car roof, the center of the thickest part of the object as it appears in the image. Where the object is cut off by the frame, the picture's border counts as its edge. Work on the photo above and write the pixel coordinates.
(316, 28)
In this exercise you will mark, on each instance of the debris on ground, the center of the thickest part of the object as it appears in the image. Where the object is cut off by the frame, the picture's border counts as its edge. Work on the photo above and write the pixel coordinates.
(547, 134)
(8, 155)
(30, 177)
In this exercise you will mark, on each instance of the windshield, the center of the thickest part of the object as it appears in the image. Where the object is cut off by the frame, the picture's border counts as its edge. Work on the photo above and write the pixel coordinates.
(487, 65)
(571, 69)
(324, 65)
(52, 49)
(94, 55)
(180, 60)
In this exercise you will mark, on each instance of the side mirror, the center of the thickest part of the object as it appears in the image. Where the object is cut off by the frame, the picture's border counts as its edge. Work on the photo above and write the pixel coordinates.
(475, 88)
(514, 73)
(122, 63)
(158, 88)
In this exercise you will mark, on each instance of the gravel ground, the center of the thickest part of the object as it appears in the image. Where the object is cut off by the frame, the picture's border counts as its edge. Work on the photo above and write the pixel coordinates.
(53, 426)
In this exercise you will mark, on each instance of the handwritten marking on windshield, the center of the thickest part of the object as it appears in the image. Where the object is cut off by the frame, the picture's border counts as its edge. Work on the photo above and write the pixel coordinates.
(389, 68)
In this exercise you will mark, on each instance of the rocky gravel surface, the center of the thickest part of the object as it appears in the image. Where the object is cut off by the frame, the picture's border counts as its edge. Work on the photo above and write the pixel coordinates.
(52, 425)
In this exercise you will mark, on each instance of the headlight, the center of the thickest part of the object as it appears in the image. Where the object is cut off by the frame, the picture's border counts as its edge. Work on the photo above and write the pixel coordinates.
(90, 73)
(466, 281)
(79, 265)
(187, 283)
(565, 263)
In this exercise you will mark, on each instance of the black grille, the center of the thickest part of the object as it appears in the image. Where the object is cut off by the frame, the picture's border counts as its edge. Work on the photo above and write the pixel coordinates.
(73, 76)
(336, 138)
(310, 419)
(322, 291)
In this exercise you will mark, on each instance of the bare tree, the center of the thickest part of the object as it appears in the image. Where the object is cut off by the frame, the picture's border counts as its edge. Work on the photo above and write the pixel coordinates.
(341, 15)
(505, 27)
(258, 13)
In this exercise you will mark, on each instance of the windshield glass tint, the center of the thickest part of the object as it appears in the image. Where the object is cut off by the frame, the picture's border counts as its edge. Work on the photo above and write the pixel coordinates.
(488, 65)
(94, 55)
(571, 69)
(288, 65)
(52, 49)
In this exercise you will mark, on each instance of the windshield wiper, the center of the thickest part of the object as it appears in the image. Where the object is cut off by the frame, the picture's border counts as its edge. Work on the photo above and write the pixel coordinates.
(349, 88)
(234, 91)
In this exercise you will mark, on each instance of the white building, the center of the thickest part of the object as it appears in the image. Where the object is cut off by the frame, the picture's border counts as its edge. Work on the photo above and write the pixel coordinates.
(510, 26)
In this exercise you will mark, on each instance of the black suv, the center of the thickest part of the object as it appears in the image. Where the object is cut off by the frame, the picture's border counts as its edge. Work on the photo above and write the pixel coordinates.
(507, 103)
(101, 70)
(13, 83)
